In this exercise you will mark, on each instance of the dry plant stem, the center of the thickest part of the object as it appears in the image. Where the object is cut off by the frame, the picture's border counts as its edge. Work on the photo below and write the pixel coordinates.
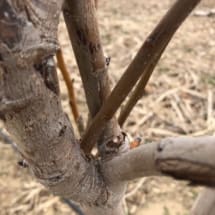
(69, 84)
(81, 20)
(146, 56)
(180, 157)
(205, 203)
(5, 138)
(71, 91)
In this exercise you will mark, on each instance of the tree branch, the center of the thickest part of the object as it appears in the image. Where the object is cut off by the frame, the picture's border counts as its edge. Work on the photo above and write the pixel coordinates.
(205, 203)
(5, 138)
(71, 91)
(96, 4)
(140, 88)
(157, 40)
(73, 206)
(84, 35)
(183, 158)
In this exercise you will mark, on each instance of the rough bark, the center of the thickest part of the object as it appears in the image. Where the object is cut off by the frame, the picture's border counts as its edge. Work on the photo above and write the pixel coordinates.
(30, 102)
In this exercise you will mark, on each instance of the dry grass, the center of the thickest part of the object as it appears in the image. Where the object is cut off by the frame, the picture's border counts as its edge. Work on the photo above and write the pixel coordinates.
(180, 100)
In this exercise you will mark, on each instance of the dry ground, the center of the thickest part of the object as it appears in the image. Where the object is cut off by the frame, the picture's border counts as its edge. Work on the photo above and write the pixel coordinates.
(179, 101)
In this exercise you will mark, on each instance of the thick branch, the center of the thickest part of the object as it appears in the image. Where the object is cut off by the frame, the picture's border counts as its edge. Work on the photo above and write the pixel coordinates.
(146, 56)
(96, 4)
(81, 21)
(184, 158)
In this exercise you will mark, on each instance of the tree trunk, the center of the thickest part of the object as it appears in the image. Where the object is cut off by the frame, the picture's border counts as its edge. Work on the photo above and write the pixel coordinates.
(31, 109)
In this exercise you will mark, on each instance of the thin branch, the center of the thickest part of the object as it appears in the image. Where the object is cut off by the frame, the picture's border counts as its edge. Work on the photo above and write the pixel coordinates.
(84, 35)
(5, 138)
(73, 206)
(136, 188)
(184, 158)
(140, 88)
(205, 203)
(85, 38)
(96, 4)
(71, 91)
(157, 40)
(69, 84)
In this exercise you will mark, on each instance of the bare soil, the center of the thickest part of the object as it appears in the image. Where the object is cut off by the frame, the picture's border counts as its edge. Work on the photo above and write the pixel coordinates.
(179, 101)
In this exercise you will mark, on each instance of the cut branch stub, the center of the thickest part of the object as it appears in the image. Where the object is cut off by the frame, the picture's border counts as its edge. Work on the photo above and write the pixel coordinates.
(157, 40)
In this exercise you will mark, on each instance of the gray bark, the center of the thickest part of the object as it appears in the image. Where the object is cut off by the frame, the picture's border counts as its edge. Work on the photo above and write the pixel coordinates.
(31, 110)
(205, 203)
(30, 103)
(84, 35)
(180, 157)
